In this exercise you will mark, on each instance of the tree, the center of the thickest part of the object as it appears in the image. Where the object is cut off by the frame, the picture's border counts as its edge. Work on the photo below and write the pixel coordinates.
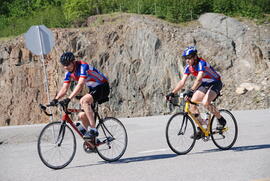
(75, 9)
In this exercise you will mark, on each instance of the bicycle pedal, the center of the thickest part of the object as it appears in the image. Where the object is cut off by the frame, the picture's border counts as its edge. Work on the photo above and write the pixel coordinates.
(90, 150)
(206, 138)
(98, 141)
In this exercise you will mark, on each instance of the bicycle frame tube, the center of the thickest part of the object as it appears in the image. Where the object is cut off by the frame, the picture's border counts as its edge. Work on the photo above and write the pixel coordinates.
(95, 110)
(66, 118)
(205, 131)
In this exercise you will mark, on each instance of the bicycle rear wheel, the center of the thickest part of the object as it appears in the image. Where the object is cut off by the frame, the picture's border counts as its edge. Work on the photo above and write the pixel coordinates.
(56, 145)
(179, 131)
(113, 139)
(224, 139)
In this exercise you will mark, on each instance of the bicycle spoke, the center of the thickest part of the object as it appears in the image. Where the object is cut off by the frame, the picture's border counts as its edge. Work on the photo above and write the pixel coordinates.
(56, 149)
(226, 138)
(114, 134)
(179, 130)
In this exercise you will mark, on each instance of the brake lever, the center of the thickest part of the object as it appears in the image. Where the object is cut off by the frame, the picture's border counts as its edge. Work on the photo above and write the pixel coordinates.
(43, 108)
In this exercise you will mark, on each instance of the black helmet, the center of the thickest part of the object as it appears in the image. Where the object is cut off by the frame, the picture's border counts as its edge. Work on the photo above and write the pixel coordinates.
(67, 58)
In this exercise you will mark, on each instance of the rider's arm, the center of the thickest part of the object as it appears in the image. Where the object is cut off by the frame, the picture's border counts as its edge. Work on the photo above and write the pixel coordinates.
(78, 87)
(62, 91)
(180, 84)
(198, 80)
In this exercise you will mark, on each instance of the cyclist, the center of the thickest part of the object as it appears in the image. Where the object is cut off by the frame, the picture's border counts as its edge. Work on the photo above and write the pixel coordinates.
(83, 74)
(205, 89)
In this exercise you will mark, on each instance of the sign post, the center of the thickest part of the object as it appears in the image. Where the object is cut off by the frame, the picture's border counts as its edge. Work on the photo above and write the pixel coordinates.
(40, 41)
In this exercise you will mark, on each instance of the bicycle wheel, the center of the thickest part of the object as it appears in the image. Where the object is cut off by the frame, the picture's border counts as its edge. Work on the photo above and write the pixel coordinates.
(56, 145)
(224, 139)
(113, 139)
(179, 130)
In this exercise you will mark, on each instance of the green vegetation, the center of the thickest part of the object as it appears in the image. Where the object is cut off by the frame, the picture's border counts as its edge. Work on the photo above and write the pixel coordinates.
(16, 16)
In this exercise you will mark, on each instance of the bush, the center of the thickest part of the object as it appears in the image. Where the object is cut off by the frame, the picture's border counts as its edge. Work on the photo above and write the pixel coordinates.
(51, 17)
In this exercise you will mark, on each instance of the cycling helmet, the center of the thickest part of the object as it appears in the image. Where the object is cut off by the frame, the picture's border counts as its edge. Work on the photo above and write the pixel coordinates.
(189, 51)
(67, 58)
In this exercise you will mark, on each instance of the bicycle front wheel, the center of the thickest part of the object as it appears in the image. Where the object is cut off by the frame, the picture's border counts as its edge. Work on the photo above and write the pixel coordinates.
(180, 133)
(113, 139)
(56, 145)
(224, 139)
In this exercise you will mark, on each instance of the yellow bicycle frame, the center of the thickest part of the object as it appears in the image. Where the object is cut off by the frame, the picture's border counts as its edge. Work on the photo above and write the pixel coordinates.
(205, 131)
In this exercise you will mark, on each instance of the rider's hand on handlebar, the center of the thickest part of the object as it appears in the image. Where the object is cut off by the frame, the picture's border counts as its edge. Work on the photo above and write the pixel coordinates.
(170, 96)
(189, 93)
(54, 102)
(65, 102)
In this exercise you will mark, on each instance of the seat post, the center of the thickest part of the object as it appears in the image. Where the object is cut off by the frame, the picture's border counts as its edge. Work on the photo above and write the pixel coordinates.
(95, 110)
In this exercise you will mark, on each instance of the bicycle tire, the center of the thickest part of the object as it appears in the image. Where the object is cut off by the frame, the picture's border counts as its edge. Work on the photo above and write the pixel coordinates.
(175, 139)
(231, 130)
(113, 135)
(67, 138)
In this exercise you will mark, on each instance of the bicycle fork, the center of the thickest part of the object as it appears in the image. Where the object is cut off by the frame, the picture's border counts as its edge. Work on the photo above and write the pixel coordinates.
(183, 126)
(61, 134)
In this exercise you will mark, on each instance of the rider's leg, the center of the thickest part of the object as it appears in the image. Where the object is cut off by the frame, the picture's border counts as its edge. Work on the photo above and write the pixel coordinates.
(209, 97)
(197, 98)
(86, 102)
(206, 102)
(82, 116)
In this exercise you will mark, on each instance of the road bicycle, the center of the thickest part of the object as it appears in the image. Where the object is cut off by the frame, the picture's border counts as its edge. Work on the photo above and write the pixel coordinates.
(181, 133)
(57, 143)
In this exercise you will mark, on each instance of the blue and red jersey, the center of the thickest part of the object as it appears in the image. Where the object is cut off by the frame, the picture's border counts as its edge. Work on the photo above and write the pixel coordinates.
(92, 76)
(210, 75)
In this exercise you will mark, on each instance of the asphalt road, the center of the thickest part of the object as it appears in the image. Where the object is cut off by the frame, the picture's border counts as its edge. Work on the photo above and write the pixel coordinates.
(147, 157)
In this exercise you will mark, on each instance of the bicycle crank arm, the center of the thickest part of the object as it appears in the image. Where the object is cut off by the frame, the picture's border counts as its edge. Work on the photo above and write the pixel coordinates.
(90, 144)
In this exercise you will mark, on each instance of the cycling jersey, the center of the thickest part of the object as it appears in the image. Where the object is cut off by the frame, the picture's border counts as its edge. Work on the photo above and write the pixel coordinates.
(210, 74)
(92, 76)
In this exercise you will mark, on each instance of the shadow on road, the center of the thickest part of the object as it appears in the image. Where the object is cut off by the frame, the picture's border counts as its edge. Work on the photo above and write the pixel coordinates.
(242, 148)
(145, 158)
(165, 156)
(86, 165)
(251, 147)
(129, 160)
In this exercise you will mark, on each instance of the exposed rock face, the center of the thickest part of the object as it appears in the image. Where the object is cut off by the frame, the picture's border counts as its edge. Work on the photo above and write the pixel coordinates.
(142, 58)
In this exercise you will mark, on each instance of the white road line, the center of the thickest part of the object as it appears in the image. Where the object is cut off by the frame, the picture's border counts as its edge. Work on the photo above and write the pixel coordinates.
(157, 150)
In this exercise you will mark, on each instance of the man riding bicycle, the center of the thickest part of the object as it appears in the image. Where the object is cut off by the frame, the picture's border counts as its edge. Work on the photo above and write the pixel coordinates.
(205, 89)
(83, 74)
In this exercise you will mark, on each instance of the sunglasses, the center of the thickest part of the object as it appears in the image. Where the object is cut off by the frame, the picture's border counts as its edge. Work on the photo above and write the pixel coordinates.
(188, 57)
(66, 64)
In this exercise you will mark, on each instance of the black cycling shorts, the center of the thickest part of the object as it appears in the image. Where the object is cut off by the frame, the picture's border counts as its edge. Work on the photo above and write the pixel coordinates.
(214, 86)
(100, 92)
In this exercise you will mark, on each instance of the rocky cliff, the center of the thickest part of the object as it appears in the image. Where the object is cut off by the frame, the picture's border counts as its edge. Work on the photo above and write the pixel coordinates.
(141, 56)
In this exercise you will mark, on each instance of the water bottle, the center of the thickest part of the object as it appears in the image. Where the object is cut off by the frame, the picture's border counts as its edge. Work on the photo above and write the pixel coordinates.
(80, 128)
(206, 119)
